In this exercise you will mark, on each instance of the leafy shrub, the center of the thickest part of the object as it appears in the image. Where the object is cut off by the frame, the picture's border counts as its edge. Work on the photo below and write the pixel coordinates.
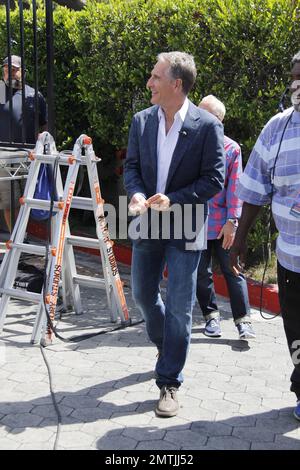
(105, 52)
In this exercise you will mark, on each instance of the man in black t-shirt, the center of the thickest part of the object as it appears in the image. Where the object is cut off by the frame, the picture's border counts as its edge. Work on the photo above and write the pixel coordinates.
(16, 121)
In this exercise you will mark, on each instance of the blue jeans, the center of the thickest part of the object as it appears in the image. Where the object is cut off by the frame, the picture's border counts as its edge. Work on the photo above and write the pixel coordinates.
(168, 324)
(237, 285)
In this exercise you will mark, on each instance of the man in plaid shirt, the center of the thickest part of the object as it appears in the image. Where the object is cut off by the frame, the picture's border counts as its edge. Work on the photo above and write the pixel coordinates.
(224, 212)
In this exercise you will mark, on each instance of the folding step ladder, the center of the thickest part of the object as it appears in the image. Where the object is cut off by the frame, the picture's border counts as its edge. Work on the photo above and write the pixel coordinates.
(61, 260)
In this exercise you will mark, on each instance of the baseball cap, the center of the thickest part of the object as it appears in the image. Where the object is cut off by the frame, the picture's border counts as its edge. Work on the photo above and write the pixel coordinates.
(15, 61)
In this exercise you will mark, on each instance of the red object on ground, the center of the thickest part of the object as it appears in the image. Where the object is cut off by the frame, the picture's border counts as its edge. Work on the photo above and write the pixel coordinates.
(123, 254)
(270, 300)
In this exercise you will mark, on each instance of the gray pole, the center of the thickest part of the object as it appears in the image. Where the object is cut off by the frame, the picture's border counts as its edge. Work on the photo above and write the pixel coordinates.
(50, 66)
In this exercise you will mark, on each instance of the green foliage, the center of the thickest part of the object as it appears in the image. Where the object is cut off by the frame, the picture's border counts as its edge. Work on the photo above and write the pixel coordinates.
(242, 50)
(105, 52)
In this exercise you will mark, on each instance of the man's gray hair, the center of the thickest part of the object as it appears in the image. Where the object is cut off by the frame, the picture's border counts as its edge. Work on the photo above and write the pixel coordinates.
(296, 58)
(182, 65)
(214, 106)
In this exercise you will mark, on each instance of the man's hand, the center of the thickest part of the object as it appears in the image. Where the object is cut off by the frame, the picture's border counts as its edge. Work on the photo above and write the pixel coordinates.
(159, 202)
(228, 233)
(138, 204)
(237, 256)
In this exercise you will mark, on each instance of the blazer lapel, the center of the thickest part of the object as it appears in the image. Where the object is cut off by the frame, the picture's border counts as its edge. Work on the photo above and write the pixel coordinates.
(152, 130)
(186, 137)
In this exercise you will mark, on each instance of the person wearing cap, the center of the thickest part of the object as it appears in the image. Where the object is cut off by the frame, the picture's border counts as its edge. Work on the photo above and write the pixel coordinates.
(224, 212)
(11, 126)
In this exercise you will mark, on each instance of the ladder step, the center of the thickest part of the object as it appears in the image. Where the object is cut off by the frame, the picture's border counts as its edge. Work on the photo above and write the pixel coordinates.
(83, 203)
(89, 281)
(21, 294)
(84, 242)
(40, 204)
(31, 249)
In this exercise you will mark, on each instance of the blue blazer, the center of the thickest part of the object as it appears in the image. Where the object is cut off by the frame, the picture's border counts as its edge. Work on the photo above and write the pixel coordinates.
(197, 168)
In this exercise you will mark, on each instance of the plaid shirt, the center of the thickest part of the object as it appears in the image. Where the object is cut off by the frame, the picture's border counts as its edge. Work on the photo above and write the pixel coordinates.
(225, 205)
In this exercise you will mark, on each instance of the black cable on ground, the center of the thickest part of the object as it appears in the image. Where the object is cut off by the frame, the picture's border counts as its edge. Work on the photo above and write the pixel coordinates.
(271, 316)
(58, 428)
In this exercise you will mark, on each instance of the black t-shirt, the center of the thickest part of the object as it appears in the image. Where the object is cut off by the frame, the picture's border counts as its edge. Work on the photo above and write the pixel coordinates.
(17, 116)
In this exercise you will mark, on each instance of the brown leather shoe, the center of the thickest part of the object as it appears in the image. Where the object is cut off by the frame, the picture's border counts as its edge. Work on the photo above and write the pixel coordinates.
(167, 405)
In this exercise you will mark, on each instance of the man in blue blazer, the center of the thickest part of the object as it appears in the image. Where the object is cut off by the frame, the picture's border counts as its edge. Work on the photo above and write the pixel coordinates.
(176, 158)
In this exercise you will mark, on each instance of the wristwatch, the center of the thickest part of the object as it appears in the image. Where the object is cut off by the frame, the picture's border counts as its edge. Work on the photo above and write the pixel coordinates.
(234, 222)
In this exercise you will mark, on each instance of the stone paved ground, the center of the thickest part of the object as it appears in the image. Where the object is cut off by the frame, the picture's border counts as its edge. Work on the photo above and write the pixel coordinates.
(235, 395)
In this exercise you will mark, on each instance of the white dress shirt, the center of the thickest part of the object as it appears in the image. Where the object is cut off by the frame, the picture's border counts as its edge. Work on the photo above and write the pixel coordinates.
(166, 144)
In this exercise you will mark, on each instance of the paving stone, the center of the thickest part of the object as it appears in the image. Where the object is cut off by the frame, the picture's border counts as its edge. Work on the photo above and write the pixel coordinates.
(60, 380)
(206, 428)
(227, 386)
(10, 408)
(75, 439)
(254, 433)
(185, 438)
(46, 411)
(195, 414)
(243, 398)
(228, 443)
(249, 380)
(111, 443)
(234, 393)
(37, 446)
(212, 376)
(258, 411)
(83, 372)
(20, 420)
(90, 414)
(278, 403)
(20, 367)
(101, 428)
(8, 444)
(273, 446)
(282, 424)
(176, 423)
(292, 443)
(142, 396)
(79, 401)
(204, 393)
(27, 388)
(144, 433)
(220, 405)
(282, 385)
(156, 445)
(132, 419)
(32, 435)
(6, 384)
(235, 419)
(4, 374)
(119, 405)
(264, 392)
(23, 377)
(233, 370)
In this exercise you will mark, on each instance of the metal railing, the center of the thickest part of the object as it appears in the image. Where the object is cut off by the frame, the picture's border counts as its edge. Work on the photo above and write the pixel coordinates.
(10, 143)
(24, 60)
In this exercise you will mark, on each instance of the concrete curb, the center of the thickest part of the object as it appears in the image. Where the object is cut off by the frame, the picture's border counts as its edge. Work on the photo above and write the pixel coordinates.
(123, 254)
